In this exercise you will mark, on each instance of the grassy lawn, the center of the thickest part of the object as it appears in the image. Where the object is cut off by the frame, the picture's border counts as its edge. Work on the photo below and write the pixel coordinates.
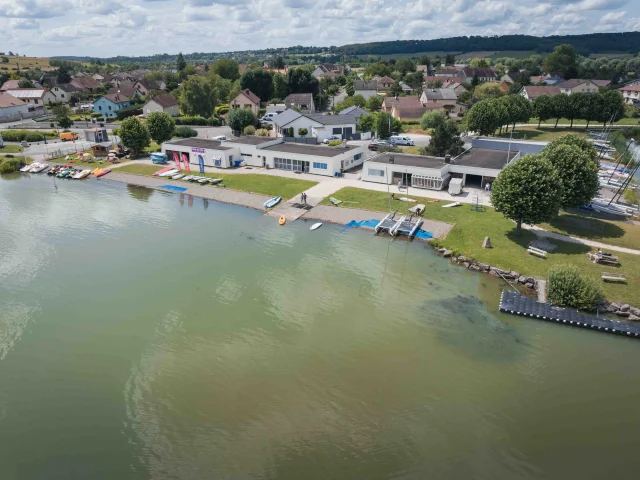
(543, 133)
(11, 149)
(99, 162)
(414, 150)
(509, 250)
(251, 182)
(153, 147)
(28, 63)
(583, 123)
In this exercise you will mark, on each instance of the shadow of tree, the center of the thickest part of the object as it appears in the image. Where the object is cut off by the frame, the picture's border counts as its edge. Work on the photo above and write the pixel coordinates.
(565, 248)
(592, 227)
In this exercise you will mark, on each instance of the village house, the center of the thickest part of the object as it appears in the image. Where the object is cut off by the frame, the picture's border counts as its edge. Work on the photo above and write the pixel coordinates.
(145, 85)
(449, 72)
(365, 88)
(328, 70)
(410, 101)
(455, 86)
(162, 103)
(246, 99)
(12, 109)
(411, 112)
(577, 85)
(384, 83)
(102, 78)
(631, 94)
(10, 85)
(85, 84)
(289, 123)
(301, 101)
(483, 74)
(33, 96)
(63, 92)
(530, 92)
(436, 82)
(128, 89)
(445, 98)
(109, 105)
(547, 79)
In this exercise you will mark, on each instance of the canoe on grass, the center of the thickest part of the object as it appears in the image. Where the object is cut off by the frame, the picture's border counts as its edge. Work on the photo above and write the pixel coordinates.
(177, 177)
(215, 181)
(169, 173)
(272, 202)
(335, 201)
(454, 204)
(162, 170)
(405, 199)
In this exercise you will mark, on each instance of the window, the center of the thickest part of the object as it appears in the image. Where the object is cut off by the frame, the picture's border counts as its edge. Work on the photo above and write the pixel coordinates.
(357, 156)
(109, 107)
(376, 173)
(35, 101)
(62, 95)
(288, 164)
(100, 107)
(320, 166)
(246, 155)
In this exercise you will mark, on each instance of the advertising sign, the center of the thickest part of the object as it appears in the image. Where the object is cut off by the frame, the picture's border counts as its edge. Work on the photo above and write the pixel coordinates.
(201, 162)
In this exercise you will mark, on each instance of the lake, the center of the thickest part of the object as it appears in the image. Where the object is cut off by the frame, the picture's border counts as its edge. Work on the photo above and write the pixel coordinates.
(148, 335)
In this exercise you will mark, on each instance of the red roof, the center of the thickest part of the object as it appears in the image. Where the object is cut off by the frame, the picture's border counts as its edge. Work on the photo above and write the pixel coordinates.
(630, 88)
(7, 100)
(251, 96)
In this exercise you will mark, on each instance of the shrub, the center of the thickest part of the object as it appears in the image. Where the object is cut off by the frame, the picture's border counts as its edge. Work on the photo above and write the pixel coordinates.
(335, 143)
(184, 132)
(20, 135)
(10, 165)
(115, 131)
(432, 119)
(262, 132)
(302, 132)
(128, 112)
(250, 130)
(262, 112)
(221, 110)
(568, 287)
(200, 121)
(95, 114)
(631, 196)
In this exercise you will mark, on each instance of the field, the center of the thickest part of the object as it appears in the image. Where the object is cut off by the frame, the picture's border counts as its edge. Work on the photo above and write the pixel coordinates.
(542, 134)
(10, 149)
(26, 63)
(252, 182)
(509, 249)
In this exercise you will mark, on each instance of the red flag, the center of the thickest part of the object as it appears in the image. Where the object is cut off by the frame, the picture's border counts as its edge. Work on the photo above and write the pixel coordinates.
(185, 160)
(176, 158)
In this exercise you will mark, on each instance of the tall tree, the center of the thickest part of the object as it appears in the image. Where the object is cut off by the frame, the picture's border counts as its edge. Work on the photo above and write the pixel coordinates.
(581, 143)
(62, 114)
(280, 87)
(450, 59)
(180, 63)
(395, 89)
(484, 118)
(226, 68)
(572, 108)
(479, 63)
(528, 190)
(63, 75)
(374, 103)
(612, 106)
(197, 97)
(424, 60)
(577, 172)
(301, 81)
(240, 118)
(278, 63)
(405, 66)
(445, 139)
(487, 90)
(543, 108)
(562, 61)
(134, 135)
(26, 83)
(160, 126)
(259, 81)
(561, 106)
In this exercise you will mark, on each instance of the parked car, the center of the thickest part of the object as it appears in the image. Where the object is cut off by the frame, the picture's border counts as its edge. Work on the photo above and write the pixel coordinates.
(401, 140)
(332, 138)
(268, 117)
(220, 137)
(376, 144)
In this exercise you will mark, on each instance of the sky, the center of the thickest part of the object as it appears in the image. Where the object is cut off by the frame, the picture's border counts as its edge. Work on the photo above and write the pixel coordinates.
(106, 28)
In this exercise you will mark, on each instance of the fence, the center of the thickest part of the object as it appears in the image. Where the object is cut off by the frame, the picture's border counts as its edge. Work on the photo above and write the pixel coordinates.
(61, 152)
(305, 140)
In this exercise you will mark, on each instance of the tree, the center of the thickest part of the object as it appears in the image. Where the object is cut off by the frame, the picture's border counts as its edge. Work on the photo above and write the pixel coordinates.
(25, 84)
(562, 61)
(475, 81)
(543, 108)
(450, 59)
(239, 118)
(612, 106)
(302, 132)
(415, 80)
(589, 106)
(349, 88)
(63, 75)
(383, 121)
(374, 103)
(405, 66)
(62, 115)
(226, 68)
(577, 171)
(445, 139)
(301, 81)
(160, 126)
(560, 104)
(395, 89)
(572, 108)
(569, 287)
(479, 63)
(367, 123)
(528, 190)
(259, 81)
(379, 69)
(574, 140)
(189, 70)
(278, 63)
(134, 135)
(518, 108)
(180, 63)
(424, 60)
(197, 97)
(432, 119)
(487, 90)
(484, 118)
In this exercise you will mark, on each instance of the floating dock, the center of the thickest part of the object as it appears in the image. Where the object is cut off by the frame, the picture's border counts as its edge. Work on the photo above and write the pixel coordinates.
(516, 304)
(406, 226)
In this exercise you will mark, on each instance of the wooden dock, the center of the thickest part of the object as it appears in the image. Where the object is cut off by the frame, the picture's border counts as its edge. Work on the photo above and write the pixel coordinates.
(516, 304)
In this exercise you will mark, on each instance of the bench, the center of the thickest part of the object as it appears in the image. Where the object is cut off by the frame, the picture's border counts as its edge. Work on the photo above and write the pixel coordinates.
(613, 277)
(537, 252)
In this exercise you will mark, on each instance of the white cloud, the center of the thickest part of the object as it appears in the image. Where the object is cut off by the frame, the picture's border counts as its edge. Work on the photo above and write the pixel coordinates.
(33, 8)
(24, 23)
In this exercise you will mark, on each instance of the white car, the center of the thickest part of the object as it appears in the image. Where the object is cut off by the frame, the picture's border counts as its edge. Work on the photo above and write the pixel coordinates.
(401, 140)
(332, 138)
(220, 137)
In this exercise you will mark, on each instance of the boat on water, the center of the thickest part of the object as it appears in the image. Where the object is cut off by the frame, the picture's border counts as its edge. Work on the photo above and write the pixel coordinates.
(41, 167)
(162, 170)
(272, 202)
(82, 174)
(177, 177)
(316, 226)
(26, 168)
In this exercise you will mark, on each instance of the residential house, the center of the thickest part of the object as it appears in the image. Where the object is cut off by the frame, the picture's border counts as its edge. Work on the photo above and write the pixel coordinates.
(483, 74)
(102, 78)
(319, 126)
(63, 92)
(162, 103)
(449, 72)
(354, 111)
(85, 84)
(145, 85)
(631, 94)
(530, 92)
(602, 83)
(242, 67)
(512, 77)
(411, 112)
(10, 85)
(384, 83)
(109, 105)
(12, 108)
(405, 88)
(33, 96)
(389, 102)
(128, 89)
(246, 99)
(445, 98)
(328, 70)
(433, 79)
(547, 79)
(577, 85)
(455, 86)
(365, 88)
(301, 101)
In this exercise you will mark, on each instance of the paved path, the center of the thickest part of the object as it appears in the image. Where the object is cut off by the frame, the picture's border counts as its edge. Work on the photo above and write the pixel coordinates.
(565, 238)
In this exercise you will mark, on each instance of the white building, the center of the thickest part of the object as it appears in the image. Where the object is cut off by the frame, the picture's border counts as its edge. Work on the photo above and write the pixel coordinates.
(162, 103)
(34, 96)
(12, 108)
(319, 126)
(268, 152)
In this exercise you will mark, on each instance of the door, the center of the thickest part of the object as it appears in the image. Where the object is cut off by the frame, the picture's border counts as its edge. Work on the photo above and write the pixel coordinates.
(348, 131)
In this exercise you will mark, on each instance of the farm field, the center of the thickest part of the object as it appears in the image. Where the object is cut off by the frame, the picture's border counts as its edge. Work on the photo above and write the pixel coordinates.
(26, 63)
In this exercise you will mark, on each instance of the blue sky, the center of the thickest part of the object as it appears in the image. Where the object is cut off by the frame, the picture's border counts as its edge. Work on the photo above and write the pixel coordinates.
(104, 28)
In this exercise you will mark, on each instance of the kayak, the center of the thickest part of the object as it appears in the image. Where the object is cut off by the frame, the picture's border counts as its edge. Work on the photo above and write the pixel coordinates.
(335, 201)
(177, 177)
(272, 202)
(215, 181)
(315, 226)
(103, 172)
(162, 170)
(454, 204)
(169, 173)
(187, 178)
(282, 220)
(405, 199)
(202, 181)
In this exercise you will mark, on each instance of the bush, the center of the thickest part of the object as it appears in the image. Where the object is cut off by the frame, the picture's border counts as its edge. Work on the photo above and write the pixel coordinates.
(184, 132)
(262, 112)
(28, 135)
(95, 114)
(335, 143)
(199, 121)
(432, 119)
(115, 131)
(10, 165)
(34, 137)
(128, 112)
(569, 287)
(250, 130)
(262, 132)
(302, 132)
(221, 110)
(631, 196)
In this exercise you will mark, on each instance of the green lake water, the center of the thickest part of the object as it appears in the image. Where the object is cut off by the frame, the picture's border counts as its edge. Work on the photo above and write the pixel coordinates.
(146, 335)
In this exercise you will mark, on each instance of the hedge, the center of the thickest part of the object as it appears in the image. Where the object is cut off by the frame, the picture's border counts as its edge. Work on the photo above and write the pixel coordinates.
(184, 132)
(200, 121)
(28, 135)
(128, 112)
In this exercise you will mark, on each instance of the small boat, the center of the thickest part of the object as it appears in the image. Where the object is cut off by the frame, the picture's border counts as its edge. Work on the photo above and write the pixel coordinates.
(82, 174)
(39, 167)
(194, 178)
(215, 181)
(282, 220)
(405, 199)
(335, 201)
(103, 172)
(415, 209)
(454, 204)
(315, 226)
(203, 180)
(177, 177)
(26, 168)
(187, 178)
(96, 171)
(272, 202)
(162, 170)
(169, 173)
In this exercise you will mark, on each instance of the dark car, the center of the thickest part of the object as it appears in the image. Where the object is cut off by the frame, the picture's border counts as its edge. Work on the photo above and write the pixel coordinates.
(374, 146)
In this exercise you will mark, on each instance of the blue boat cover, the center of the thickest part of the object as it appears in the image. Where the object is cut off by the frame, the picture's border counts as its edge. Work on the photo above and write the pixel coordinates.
(373, 222)
(173, 187)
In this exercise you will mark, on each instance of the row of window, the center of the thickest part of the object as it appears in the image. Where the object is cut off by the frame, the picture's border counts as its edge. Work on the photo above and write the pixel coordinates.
(288, 164)
(320, 166)
(376, 173)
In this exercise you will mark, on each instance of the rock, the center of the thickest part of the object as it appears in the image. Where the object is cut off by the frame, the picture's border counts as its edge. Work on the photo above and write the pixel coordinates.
(529, 285)
(613, 308)
(514, 274)
(484, 266)
(635, 311)
(633, 318)
(494, 272)
(442, 250)
(625, 308)
(462, 259)
(522, 279)
(531, 280)
(447, 253)
(487, 243)
(620, 313)
(466, 264)
(474, 267)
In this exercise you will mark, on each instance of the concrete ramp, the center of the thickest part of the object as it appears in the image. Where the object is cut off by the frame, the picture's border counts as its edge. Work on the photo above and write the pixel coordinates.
(293, 208)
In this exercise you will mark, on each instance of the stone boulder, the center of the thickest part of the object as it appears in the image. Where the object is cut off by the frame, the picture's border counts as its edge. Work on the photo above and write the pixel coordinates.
(487, 243)
(466, 264)
(621, 313)
(446, 253)
(635, 311)
(625, 308)
(633, 318)
(530, 285)
(613, 308)
(484, 266)
(522, 279)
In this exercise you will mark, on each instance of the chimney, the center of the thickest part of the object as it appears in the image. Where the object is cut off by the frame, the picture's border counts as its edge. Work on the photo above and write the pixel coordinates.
(447, 158)
(391, 159)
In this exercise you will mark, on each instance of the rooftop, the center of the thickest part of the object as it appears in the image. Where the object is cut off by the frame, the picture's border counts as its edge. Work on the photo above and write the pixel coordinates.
(440, 94)
(27, 92)
(334, 119)
(409, 160)
(317, 150)
(534, 91)
(164, 100)
(251, 140)
(7, 100)
(198, 143)
(485, 158)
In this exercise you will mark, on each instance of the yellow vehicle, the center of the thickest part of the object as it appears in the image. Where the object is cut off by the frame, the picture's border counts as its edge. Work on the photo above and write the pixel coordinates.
(67, 136)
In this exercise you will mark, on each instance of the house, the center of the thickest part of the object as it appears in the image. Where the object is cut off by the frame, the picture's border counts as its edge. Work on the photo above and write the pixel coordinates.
(483, 74)
(128, 89)
(10, 85)
(145, 85)
(503, 86)
(318, 126)
(354, 111)
(162, 103)
(442, 97)
(389, 102)
(267, 152)
(411, 112)
(365, 88)
(301, 101)
(384, 83)
(405, 88)
(512, 77)
(12, 108)
(577, 85)
(455, 86)
(530, 92)
(449, 72)
(547, 79)
(242, 67)
(246, 99)
(63, 92)
(435, 80)
(602, 83)
(85, 84)
(33, 96)
(328, 70)
(631, 94)
(102, 78)
(109, 105)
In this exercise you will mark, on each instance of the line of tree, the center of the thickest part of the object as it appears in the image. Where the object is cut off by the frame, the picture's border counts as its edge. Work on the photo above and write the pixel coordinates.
(487, 116)
(593, 107)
